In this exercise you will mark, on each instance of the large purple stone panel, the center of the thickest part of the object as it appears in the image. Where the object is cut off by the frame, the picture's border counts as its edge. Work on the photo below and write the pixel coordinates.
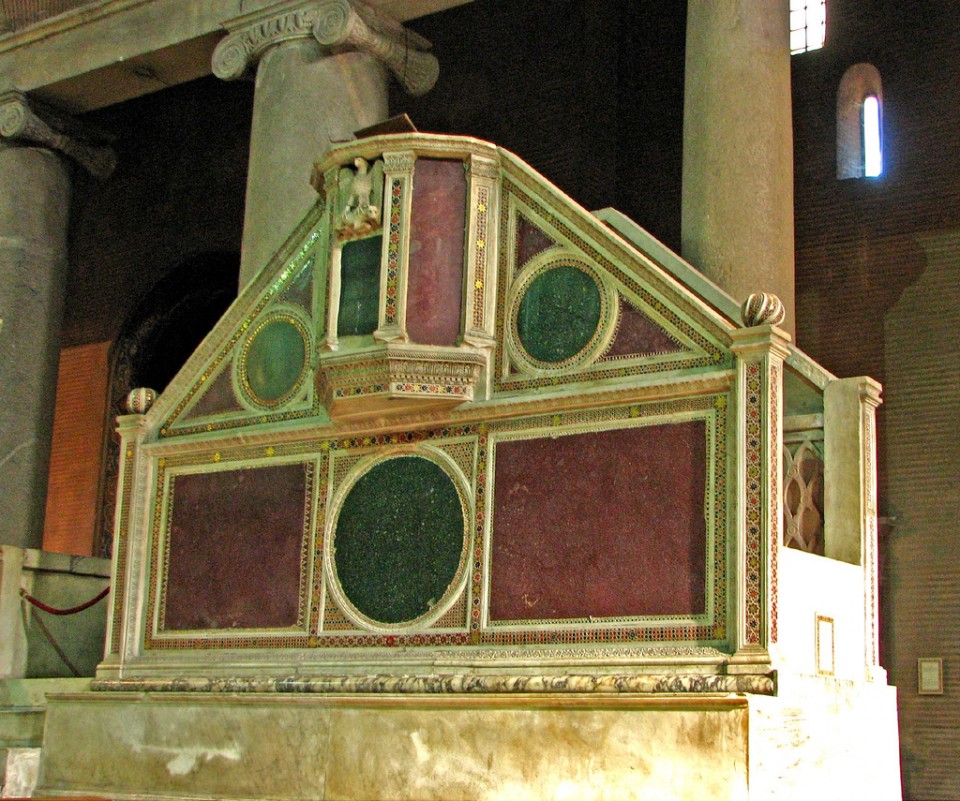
(435, 286)
(601, 524)
(236, 537)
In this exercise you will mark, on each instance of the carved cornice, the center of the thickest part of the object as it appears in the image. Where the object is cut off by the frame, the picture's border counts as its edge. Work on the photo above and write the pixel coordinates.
(461, 684)
(334, 24)
(24, 120)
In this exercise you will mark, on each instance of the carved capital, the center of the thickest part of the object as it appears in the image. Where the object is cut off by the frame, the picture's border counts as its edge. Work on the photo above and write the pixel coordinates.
(22, 120)
(335, 24)
(399, 162)
(243, 47)
(478, 167)
(353, 23)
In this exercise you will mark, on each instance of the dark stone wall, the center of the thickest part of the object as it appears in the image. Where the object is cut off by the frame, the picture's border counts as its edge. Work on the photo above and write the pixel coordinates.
(177, 193)
(589, 93)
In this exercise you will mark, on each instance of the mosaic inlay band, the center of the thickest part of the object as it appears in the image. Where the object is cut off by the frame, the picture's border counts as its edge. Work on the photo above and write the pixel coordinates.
(754, 505)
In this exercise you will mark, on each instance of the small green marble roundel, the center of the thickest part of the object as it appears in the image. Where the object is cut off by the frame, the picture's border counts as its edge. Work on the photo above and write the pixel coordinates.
(559, 314)
(275, 361)
(398, 539)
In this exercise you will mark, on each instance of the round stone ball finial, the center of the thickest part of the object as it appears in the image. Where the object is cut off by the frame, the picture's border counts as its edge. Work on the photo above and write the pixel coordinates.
(139, 400)
(762, 308)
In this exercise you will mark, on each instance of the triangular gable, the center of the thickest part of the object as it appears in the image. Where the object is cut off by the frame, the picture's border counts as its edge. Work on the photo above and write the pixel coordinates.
(575, 305)
(257, 365)
(577, 302)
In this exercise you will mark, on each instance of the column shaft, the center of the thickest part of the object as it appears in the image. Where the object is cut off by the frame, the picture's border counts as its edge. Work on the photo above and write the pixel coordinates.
(305, 99)
(737, 201)
(34, 206)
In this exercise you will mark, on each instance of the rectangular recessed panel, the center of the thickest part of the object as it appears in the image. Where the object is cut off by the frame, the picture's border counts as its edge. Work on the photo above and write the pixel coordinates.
(359, 287)
(601, 524)
(235, 544)
(435, 288)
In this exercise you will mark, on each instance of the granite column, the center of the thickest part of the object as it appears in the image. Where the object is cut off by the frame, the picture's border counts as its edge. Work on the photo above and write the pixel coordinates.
(35, 189)
(737, 201)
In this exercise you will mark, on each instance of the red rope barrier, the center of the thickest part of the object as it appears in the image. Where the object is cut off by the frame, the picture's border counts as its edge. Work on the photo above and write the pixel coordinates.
(71, 611)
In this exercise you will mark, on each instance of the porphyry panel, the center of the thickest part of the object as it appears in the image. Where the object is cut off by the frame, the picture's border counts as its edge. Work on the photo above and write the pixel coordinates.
(600, 524)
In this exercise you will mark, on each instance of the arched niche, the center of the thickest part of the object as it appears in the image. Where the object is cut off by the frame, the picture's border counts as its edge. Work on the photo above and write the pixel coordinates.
(858, 83)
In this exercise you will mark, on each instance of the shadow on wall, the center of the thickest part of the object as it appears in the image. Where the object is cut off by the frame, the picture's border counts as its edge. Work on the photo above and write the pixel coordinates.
(156, 340)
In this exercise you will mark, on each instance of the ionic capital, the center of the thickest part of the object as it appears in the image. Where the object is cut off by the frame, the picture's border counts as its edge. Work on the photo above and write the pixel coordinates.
(334, 24)
(23, 120)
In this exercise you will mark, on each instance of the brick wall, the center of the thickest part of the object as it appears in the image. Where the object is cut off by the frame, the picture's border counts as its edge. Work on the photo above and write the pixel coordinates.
(78, 436)
(878, 263)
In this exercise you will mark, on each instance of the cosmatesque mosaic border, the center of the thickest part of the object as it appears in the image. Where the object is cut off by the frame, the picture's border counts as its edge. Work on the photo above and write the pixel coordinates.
(557, 635)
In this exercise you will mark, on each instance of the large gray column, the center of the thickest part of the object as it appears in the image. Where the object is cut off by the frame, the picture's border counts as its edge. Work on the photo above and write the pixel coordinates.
(320, 76)
(737, 203)
(35, 190)
(34, 205)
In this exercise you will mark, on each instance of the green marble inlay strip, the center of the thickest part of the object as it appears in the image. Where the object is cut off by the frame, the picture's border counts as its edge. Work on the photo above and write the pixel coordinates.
(359, 287)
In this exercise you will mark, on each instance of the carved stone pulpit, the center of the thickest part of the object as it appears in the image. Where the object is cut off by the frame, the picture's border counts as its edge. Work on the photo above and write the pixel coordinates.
(465, 460)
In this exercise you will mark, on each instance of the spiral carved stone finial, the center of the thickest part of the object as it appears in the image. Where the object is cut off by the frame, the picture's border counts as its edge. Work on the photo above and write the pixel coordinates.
(140, 400)
(762, 308)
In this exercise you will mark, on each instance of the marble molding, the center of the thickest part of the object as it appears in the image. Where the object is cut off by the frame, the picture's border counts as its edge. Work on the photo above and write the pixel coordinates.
(457, 684)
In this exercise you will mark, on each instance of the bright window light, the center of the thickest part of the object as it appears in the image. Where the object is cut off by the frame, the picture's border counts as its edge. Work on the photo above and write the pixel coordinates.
(808, 25)
(872, 153)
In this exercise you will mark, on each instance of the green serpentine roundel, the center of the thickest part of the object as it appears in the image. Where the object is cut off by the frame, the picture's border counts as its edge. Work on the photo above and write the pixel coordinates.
(559, 314)
(398, 539)
(274, 361)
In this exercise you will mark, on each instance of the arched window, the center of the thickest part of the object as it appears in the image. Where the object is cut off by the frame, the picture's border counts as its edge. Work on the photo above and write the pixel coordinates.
(860, 123)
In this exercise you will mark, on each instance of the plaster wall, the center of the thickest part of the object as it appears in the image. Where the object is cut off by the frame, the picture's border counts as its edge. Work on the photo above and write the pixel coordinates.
(812, 586)
(878, 261)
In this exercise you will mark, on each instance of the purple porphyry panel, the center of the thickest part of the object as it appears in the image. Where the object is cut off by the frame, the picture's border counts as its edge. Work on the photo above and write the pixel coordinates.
(235, 542)
(638, 335)
(217, 398)
(437, 219)
(530, 241)
(601, 524)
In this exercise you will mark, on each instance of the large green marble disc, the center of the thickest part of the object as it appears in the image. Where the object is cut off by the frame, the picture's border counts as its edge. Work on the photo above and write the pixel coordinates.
(559, 314)
(398, 539)
(275, 361)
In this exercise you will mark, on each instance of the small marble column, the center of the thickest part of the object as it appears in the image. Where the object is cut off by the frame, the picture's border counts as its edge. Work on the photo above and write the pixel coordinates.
(320, 76)
(761, 348)
(35, 189)
(737, 198)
